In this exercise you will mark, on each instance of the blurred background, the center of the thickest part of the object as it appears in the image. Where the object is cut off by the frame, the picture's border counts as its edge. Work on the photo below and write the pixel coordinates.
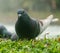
(38, 9)
(35, 8)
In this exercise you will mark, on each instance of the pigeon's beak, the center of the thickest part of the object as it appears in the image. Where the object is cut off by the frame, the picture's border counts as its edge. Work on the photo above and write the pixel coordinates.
(19, 15)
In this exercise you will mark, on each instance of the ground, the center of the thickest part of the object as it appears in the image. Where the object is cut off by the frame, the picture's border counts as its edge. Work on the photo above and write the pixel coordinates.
(30, 46)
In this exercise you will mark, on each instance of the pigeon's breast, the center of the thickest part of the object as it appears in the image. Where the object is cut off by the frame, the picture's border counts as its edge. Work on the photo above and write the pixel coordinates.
(28, 27)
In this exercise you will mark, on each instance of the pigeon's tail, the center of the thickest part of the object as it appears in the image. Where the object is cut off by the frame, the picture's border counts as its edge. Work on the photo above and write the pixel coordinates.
(46, 22)
(49, 19)
(55, 20)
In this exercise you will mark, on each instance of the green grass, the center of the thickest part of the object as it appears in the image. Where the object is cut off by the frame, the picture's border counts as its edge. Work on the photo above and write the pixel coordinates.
(31, 46)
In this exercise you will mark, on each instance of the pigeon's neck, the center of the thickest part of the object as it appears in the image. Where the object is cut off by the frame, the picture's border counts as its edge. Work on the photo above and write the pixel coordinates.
(25, 17)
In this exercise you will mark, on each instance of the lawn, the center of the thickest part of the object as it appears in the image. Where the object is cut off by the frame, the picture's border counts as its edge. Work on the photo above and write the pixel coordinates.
(30, 46)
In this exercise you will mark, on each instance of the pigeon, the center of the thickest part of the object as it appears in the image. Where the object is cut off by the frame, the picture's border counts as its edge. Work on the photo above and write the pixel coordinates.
(14, 37)
(4, 33)
(27, 27)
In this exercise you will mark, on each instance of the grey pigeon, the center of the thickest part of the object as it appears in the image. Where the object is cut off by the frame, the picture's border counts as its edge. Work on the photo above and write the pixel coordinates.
(29, 28)
(14, 37)
(4, 33)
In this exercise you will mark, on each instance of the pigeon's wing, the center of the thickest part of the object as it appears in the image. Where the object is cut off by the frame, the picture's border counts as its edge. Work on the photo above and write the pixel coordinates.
(46, 22)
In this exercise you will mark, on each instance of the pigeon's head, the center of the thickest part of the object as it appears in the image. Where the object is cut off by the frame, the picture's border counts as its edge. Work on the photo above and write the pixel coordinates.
(20, 12)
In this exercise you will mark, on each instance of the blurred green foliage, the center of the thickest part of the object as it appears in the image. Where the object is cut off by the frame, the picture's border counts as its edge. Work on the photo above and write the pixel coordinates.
(31, 46)
(35, 8)
(58, 4)
(13, 5)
